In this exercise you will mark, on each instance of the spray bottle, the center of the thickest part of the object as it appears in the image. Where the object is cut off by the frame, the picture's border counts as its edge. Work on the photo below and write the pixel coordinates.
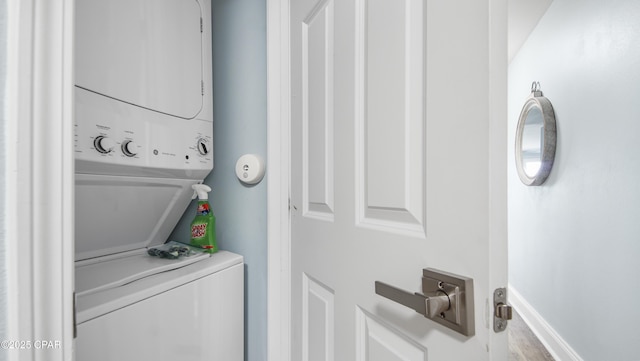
(203, 227)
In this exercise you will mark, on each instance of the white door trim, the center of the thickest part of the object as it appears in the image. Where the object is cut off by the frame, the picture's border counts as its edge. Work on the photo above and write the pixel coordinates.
(278, 180)
(40, 163)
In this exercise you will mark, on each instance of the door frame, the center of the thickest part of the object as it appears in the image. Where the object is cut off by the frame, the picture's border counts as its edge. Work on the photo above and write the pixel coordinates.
(279, 177)
(40, 177)
(278, 182)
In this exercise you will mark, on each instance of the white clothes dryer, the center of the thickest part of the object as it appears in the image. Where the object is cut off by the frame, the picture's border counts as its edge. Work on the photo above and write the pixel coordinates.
(143, 136)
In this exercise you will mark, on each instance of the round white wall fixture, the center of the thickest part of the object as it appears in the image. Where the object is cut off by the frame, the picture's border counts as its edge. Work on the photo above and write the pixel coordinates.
(250, 168)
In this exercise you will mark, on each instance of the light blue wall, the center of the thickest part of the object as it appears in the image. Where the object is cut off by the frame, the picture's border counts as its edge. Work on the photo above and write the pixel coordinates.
(240, 126)
(574, 243)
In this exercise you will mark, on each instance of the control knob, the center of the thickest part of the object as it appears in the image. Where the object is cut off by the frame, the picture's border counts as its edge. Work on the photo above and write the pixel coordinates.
(104, 144)
(129, 148)
(203, 146)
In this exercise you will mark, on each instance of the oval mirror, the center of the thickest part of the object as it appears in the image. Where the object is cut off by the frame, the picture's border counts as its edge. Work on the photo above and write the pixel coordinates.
(535, 139)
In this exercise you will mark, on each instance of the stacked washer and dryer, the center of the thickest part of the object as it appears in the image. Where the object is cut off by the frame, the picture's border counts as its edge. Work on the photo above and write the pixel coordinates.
(143, 136)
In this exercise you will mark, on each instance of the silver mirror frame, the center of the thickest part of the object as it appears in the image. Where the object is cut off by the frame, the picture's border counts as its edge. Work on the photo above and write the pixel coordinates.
(537, 101)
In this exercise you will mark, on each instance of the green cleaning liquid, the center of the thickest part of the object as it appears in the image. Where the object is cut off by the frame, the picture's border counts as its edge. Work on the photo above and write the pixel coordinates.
(203, 227)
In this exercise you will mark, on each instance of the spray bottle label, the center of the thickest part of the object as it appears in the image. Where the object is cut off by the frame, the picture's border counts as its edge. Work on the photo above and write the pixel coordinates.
(203, 209)
(198, 230)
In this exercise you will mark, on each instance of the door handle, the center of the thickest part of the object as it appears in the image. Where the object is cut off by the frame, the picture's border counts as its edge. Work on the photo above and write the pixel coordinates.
(428, 306)
(446, 299)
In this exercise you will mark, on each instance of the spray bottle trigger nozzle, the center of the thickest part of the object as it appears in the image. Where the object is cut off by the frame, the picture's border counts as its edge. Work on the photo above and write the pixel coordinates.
(201, 190)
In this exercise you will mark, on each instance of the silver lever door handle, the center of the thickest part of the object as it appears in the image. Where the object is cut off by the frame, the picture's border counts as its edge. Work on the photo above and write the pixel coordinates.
(428, 306)
(446, 299)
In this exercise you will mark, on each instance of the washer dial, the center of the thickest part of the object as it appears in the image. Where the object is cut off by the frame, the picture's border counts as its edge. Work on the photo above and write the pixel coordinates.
(104, 144)
(129, 148)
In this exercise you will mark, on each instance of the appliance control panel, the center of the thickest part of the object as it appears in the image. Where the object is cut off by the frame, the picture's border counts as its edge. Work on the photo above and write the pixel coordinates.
(110, 134)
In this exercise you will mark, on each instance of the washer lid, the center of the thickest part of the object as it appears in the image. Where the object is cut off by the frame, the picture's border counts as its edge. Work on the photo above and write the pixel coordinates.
(144, 52)
(95, 300)
(117, 272)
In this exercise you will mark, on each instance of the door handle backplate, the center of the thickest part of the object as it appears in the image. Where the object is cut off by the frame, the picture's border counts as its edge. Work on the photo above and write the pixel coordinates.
(446, 299)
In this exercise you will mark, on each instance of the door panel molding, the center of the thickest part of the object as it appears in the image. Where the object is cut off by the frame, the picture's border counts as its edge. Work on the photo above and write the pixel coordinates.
(378, 341)
(317, 320)
(385, 201)
(317, 83)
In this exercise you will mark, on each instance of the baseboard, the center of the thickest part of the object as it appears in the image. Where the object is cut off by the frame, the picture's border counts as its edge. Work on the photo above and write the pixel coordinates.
(556, 345)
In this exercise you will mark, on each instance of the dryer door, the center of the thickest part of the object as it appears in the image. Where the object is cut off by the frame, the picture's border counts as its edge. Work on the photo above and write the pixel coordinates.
(144, 52)
(118, 214)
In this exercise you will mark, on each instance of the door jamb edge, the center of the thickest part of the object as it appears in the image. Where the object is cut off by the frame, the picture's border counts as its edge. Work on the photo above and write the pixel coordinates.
(278, 185)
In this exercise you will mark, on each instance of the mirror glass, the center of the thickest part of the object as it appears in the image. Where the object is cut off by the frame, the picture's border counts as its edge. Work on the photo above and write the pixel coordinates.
(532, 142)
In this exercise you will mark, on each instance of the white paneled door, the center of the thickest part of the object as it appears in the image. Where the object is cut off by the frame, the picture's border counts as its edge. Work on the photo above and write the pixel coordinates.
(394, 131)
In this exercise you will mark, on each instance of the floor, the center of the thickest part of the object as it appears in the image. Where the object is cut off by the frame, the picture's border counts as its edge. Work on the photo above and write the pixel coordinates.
(523, 344)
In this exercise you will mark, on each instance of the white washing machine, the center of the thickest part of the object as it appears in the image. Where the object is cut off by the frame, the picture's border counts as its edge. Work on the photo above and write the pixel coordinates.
(143, 136)
(137, 307)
